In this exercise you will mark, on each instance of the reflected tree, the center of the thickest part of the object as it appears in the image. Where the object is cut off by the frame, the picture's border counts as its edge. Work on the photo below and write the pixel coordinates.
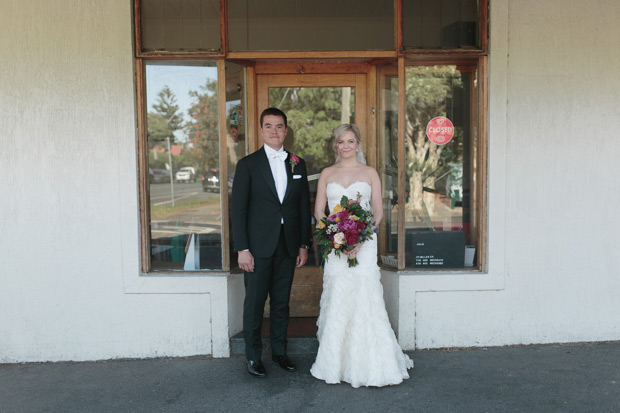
(202, 130)
(312, 114)
(165, 119)
(428, 89)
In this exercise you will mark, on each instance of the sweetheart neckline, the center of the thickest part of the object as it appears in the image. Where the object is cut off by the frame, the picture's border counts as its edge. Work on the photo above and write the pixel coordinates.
(348, 186)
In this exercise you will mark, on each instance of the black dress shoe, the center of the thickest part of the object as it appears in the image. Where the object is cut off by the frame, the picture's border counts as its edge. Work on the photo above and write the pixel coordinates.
(256, 368)
(284, 362)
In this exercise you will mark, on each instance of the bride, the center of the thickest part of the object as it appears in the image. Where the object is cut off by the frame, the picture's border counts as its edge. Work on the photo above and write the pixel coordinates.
(356, 341)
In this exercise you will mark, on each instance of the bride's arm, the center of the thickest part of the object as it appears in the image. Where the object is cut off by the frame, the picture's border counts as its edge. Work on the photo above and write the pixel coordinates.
(321, 198)
(376, 200)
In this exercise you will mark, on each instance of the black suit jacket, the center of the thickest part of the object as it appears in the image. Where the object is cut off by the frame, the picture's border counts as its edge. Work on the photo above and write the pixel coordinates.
(256, 211)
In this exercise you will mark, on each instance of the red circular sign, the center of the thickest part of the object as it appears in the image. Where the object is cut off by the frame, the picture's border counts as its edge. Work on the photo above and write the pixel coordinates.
(440, 130)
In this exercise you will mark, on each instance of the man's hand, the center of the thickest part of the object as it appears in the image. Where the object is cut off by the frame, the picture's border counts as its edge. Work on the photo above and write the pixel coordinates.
(302, 257)
(246, 261)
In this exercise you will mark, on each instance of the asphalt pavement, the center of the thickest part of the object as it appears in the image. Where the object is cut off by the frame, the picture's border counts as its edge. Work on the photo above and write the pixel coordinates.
(582, 377)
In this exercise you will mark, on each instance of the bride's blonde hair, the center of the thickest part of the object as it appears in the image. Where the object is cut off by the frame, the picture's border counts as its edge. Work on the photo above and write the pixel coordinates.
(341, 130)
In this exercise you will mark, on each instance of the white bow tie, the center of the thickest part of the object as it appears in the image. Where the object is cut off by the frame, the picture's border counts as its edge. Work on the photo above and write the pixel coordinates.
(279, 155)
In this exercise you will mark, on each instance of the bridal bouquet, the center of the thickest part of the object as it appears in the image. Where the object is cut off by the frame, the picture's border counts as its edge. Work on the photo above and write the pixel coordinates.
(348, 225)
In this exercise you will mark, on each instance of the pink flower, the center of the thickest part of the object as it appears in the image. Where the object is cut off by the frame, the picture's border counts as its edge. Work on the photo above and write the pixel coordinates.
(293, 161)
(347, 224)
(344, 214)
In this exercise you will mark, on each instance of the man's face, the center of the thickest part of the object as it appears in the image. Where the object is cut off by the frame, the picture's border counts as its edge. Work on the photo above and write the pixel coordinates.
(273, 131)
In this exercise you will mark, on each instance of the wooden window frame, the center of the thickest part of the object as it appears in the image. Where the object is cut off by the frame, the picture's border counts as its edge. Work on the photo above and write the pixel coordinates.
(143, 184)
(482, 29)
(361, 54)
(479, 190)
(203, 55)
(252, 62)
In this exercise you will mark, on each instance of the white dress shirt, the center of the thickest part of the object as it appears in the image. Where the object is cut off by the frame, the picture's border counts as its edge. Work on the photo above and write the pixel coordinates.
(278, 170)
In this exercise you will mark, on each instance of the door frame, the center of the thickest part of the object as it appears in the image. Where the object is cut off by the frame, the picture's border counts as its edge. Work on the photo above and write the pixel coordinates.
(359, 75)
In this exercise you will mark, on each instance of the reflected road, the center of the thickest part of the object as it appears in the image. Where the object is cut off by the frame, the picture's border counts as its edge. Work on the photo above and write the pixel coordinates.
(160, 193)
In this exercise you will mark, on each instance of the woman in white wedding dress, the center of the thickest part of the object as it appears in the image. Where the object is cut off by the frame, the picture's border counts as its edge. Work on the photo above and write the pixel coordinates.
(356, 341)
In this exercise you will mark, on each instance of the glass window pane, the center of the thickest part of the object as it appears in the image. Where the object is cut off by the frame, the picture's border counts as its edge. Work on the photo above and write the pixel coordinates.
(180, 25)
(183, 150)
(388, 154)
(451, 24)
(438, 212)
(255, 25)
(313, 113)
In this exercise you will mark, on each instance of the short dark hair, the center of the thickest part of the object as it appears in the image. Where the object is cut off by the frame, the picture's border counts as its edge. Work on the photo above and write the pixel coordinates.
(273, 112)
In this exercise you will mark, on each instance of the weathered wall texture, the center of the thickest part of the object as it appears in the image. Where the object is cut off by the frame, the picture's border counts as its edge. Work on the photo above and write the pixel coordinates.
(68, 197)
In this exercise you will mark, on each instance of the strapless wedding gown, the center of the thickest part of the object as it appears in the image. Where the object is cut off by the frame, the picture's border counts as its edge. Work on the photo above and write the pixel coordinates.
(356, 341)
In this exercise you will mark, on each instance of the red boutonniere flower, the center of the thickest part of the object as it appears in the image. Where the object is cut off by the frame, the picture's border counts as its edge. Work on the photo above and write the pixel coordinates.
(293, 161)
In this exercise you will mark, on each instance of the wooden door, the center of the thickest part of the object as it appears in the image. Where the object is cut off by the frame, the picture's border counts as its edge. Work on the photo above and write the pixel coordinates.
(314, 104)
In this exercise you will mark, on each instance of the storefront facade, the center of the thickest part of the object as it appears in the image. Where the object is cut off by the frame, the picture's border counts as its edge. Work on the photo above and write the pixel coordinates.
(478, 117)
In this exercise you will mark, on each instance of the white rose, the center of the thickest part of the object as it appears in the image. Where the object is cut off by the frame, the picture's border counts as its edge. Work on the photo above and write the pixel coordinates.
(339, 238)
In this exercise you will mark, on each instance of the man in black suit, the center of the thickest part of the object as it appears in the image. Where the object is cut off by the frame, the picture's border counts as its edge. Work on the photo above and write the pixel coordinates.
(270, 214)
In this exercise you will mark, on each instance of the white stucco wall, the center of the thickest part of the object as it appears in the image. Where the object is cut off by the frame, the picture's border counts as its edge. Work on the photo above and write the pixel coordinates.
(70, 286)
(554, 266)
(69, 251)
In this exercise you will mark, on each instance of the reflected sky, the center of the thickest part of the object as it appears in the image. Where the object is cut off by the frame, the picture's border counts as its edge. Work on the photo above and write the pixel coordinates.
(180, 80)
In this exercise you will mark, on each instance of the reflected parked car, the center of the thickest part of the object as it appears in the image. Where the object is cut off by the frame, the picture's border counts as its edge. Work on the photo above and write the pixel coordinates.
(211, 180)
(158, 176)
(186, 174)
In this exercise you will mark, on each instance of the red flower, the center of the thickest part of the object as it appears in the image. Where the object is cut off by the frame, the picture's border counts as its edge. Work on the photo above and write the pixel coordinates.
(293, 161)
(352, 237)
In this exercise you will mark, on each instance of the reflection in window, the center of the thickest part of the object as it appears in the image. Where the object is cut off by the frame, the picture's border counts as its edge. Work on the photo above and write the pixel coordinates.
(388, 154)
(438, 221)
(180, 25)
(449, 24)
(313, 113)
(183, 158)
(311, 25)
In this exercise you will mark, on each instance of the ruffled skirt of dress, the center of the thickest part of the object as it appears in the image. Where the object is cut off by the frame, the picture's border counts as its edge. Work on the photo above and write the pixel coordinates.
(356, 341)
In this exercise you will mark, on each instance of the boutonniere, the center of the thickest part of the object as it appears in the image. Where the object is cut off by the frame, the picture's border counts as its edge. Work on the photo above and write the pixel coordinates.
(293, 161)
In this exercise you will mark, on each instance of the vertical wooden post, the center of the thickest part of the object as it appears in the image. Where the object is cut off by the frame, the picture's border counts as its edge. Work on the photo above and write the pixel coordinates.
(137, 26)
(398, 25)
(224, 26)
(379, 122)
(371, 113)
(143, 168)
(223, 157)
(252, 110)
(482, 165)
(401, 163)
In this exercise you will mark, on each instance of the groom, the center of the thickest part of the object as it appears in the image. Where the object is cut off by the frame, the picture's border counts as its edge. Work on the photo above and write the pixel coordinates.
(270, 212)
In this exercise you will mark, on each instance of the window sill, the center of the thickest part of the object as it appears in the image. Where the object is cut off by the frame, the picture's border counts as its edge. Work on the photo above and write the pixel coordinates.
(181, 282)
(462, 280)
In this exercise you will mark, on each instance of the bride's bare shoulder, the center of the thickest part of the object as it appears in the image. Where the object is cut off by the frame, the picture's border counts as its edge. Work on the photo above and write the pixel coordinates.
(326, 175)
(369, 171)
(327, 171)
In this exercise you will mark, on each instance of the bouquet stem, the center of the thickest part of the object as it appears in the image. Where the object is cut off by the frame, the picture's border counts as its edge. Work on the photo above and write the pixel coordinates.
(352, 262)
